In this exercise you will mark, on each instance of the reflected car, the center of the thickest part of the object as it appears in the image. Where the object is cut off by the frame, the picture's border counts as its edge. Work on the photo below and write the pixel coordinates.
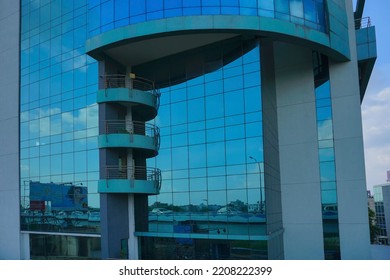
(228, 211)
(94, 216)
(61, 215)
(161, 211)
(78, 215)
(331, 208)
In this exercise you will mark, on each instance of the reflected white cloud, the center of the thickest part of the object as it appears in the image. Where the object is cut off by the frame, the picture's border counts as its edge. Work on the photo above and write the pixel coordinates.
(325, 130)
(56, 122)
(296, 8)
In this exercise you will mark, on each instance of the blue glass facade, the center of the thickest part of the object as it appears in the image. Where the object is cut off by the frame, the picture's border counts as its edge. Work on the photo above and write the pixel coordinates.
(174, 152)
(210, 127)
(380, 215)
(107, 15)
(58, 124)
(326, 155)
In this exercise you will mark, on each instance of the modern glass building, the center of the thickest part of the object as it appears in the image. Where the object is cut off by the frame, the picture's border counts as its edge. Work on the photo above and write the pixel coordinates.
(183, 129)
(382, 212)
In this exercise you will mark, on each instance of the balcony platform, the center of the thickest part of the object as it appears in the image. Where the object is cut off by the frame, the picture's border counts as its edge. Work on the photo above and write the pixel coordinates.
(129, 186)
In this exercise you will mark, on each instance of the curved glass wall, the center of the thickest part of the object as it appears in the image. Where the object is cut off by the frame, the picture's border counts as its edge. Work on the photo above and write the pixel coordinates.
(105, 15)
(58, 120)
(210, 126)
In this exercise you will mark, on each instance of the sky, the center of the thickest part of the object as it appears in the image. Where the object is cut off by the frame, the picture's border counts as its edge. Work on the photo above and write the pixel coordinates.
(376, 103)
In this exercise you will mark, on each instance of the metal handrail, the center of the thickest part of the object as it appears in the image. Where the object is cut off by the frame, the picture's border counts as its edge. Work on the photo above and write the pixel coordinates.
(133, 173)
(362, 23)
(131, 127)
(131, 82)
(124, 81)
(134, 128)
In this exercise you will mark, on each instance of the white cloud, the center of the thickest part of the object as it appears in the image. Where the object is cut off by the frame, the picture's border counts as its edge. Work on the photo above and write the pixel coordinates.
(376, 129)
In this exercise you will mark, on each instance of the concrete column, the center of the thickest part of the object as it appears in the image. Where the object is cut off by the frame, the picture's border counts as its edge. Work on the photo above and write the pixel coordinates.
(271, 151)
(130, 128)
(114, 224)
(298, 149)
(9, 131)
(25, 246)
(133, 240)
(349, 151)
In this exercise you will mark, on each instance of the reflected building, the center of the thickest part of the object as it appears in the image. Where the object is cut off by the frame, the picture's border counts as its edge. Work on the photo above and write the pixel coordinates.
(184, 129)
(382, 212)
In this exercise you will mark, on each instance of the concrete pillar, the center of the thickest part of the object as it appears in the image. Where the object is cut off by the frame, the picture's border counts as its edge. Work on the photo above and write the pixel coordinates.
(133, 240)
(298, 150)
(349, 150)
(9, 131)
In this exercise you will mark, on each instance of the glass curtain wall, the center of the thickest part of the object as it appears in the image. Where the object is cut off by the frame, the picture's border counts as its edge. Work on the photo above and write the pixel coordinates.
(326, 157)
(109, 14)
(58, 120)
(380, 215)
(211, 189)
(61, 247)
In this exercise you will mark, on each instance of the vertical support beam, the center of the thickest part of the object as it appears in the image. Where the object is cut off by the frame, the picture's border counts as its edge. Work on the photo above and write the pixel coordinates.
(9, 130)
(114, 222)
(271, 150)
(130, 128)
(133, 240)
(298, 149)
(25, 246)
(349, 150)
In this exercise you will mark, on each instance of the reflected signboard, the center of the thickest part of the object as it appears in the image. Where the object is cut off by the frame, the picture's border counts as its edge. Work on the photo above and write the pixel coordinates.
(59, 196)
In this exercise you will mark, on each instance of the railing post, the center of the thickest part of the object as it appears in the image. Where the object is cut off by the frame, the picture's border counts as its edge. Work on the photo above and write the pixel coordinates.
(362, 23)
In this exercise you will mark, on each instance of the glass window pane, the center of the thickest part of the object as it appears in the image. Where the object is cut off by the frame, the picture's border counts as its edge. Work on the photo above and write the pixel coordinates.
(252, 99)
(137, 7)
(215, 154)
(328, 186)
(236, 181)
(296, 8)
(179, 139)
(325, 130)
(329, 198)
(234, 103)
(216, 183)
(324, 113)
(327, 171)
(179, 113)
(180, 185)
(282, 6)
(266, 4)
(326, 154)
(198, 184)
(235, 152)
(121, 9)
(215, 134)
(323, 91)
(155, 5)
(310, 10)
(180, 156)
(197, 156)
(196, 110)
(214, 106)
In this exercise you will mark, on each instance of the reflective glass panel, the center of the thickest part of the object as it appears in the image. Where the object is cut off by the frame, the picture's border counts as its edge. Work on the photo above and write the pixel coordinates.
(59, 165)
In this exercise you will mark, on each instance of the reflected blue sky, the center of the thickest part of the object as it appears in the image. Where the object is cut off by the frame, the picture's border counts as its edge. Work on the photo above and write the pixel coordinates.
(113, 14)
(58, 110)
(208, 131)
